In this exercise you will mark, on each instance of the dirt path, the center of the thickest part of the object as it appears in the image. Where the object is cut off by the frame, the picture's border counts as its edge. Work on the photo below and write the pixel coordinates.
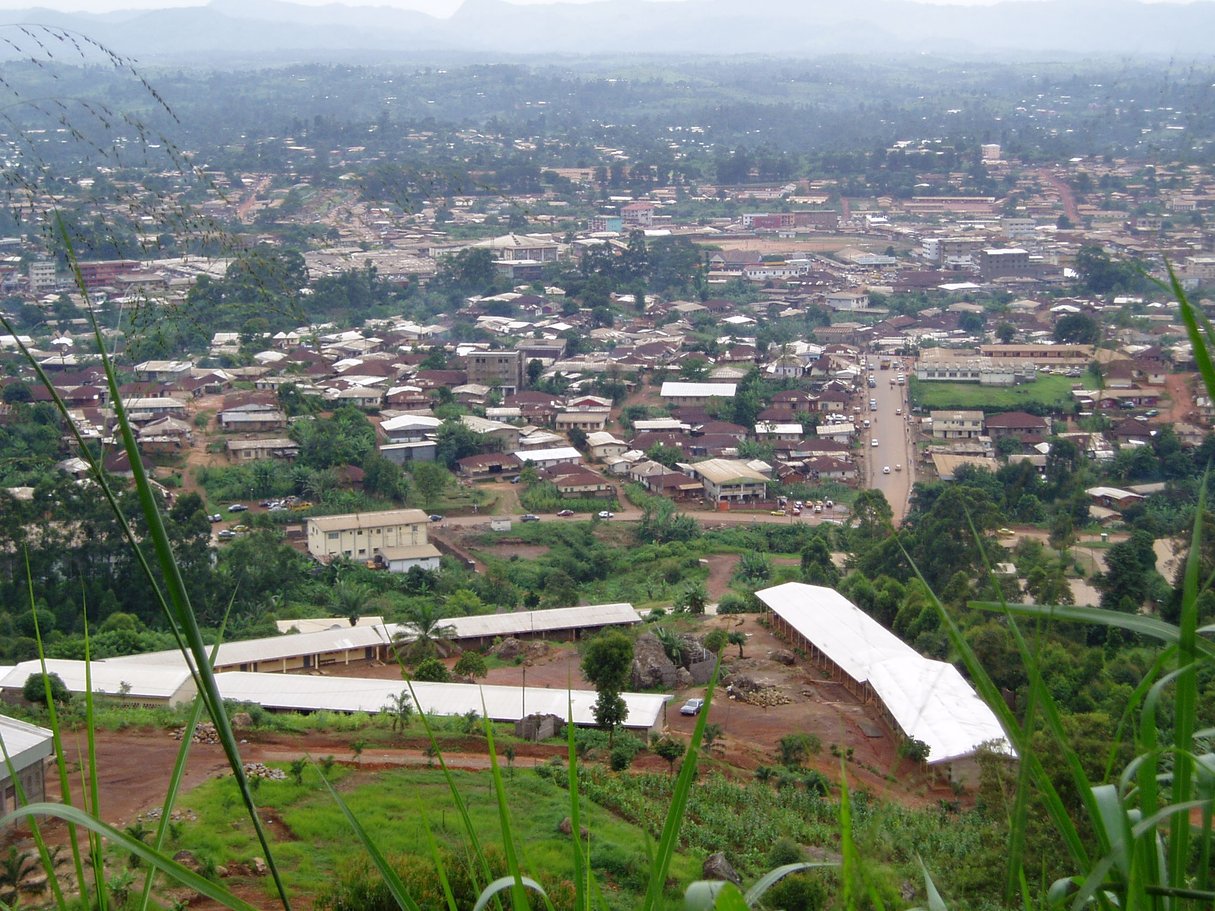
(721, 571)
(1181, 401)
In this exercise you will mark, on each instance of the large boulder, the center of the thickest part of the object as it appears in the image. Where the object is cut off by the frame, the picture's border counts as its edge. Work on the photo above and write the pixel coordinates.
(652, 669)
(717, 867)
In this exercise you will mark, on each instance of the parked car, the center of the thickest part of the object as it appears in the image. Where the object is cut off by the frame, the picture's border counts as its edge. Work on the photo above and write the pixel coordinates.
(529, 517)
(604, 514)
(215, 517)
(566, 513)
(238, 507)
(226, 534)
(692, 707)
(435, 517)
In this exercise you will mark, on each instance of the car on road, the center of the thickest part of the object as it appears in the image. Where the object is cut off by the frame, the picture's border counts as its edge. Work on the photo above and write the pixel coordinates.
(898, 466)
(238, 507)
(898, 411)
(435, 517)
(885, 469)
(604, 514)
(777, 512)
(566, 513)
(529, 517)
(873, 442)
(692, 707)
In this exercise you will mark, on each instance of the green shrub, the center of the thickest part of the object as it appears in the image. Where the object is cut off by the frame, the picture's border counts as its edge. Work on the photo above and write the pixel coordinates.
(799, 892)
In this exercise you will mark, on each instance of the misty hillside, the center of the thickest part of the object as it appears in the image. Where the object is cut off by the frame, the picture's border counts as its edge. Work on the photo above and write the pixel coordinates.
(272, 30)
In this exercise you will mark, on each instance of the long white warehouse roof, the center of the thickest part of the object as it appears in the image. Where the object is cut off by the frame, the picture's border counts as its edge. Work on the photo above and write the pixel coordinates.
(109, 678)
(929, 700)
(361, 694)
(344, 637)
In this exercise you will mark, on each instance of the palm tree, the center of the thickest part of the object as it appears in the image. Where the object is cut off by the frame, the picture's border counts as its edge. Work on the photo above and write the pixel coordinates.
(424, 632)
(346, 599)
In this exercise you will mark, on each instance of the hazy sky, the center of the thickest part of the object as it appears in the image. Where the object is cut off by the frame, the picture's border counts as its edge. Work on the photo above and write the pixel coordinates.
(434, 7)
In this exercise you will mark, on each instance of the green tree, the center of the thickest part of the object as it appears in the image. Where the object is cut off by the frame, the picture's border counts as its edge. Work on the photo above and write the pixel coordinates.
(739, 638)
(432, 670)
(35, 687)
(471, 664)
(796, 748)
(607, 663)
(716, 640)
(669, 749)
(692, 598)
(430, 481)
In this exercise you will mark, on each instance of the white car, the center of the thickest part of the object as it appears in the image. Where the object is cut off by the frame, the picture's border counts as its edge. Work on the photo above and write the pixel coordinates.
(604, 514)
(886, 470)
(873, 442)
(898, 467)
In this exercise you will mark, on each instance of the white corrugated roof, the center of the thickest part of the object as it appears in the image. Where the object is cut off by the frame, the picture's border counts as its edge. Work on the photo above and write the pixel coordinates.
(275, 648)
(930, 700)
(24, 743)
(359, 694)
(157, 681)
(837, 627)
(341, 636)
(676, 388)
(543, 621)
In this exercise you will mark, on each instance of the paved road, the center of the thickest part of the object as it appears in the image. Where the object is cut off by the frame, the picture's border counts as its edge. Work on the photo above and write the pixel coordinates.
(891, 430)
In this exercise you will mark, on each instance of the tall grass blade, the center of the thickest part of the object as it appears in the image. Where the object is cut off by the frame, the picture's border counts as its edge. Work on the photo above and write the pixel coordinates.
(391, 879)
(1198, 329)
(582, 900)
(176, 607)
(679, 802)
(935, 902)
(440, 867)
(175, 602)
(1151, 627)
(517, 894)
(179, 769)
(772, 877)
(52, 714)
(170, 868)
(94, 790)
(1018, 737)
(470, 831)
(509, 882)
(1185, 709)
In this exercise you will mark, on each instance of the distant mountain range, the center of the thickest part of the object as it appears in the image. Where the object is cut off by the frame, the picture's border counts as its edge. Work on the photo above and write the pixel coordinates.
(271, 31)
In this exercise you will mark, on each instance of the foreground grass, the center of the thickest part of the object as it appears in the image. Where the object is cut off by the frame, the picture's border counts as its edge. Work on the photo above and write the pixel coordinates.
(397, 806)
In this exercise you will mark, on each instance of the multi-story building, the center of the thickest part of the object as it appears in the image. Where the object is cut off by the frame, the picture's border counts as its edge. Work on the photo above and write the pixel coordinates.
(956, 425)
(1003, 262)
(498, 369)
(364, 535)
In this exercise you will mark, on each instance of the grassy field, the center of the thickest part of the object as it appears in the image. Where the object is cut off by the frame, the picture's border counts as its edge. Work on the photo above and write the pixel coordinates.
(1048, 390)
(318, 843)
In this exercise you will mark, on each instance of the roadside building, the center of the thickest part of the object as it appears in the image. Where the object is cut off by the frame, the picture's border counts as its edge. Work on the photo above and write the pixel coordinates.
(360, 536)
(26, 747)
